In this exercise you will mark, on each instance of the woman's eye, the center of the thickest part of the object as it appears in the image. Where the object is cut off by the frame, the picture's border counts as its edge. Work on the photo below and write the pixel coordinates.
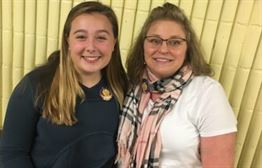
(155, 41)
(174, 42)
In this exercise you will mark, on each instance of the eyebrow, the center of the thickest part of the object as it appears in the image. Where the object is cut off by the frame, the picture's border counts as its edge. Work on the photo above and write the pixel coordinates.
(98, 31)
(172, 37)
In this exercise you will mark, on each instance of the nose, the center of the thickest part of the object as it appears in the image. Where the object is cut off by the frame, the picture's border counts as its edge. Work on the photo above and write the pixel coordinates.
(90, 45)
(163, 47)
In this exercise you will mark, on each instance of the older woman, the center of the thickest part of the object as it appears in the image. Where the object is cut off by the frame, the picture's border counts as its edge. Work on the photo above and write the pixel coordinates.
(174, 115)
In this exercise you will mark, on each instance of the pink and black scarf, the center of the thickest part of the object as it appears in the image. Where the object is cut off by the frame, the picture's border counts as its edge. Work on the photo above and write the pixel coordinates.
(139, 142)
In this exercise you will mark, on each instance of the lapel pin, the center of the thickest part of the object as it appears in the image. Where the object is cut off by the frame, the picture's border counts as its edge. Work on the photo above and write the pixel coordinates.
(105, 94)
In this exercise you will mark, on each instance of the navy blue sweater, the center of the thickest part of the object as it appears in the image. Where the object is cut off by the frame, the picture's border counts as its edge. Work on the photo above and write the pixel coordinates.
(30, 141)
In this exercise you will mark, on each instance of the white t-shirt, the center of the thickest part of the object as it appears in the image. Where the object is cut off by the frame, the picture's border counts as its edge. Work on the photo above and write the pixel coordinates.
(202, 110)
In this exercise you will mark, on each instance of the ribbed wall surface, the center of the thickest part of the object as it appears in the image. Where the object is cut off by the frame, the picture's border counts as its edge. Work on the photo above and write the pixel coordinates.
(229, 30)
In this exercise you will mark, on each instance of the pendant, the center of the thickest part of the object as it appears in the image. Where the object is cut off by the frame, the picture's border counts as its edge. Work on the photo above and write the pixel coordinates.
(105, 94)
(144, 87)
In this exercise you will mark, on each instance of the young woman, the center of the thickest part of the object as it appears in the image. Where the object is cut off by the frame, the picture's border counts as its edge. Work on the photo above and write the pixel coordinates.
(64, 114)
(174, 115)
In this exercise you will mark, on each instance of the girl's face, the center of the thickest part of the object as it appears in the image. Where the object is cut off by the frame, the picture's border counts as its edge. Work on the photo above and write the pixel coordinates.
(91, 43)
(165, 48)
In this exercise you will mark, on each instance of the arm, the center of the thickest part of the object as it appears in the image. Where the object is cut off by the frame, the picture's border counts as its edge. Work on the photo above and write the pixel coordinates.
(217, 127)
(218, 151)
(19, 128)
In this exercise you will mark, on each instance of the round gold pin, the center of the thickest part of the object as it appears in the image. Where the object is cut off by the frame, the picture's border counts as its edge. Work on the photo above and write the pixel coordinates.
(105, 94)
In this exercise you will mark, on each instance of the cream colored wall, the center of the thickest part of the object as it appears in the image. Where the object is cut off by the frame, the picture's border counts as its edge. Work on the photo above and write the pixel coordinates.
(229, 30)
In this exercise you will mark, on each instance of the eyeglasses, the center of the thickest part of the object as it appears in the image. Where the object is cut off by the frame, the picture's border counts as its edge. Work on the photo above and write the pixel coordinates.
(172, 43)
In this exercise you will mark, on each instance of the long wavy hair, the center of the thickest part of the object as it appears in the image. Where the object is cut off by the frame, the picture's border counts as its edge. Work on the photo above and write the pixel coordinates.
(194, 55)
(59, 99)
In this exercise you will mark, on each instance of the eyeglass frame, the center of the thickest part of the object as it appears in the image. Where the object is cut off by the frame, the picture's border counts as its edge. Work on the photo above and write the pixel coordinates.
(166, 40)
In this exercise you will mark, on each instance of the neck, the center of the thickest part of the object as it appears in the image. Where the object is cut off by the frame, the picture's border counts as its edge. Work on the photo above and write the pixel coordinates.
(91, 79)
(151, 77)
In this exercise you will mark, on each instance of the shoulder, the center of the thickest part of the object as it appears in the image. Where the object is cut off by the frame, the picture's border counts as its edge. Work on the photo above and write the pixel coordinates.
(24, 86)
(42, 76)
(44, 73)
(204, 103)
(32, 79)
(203, 82)
(204, 96)
(201, 85)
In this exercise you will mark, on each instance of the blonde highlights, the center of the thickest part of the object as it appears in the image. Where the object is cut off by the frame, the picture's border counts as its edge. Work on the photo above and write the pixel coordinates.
(60, 100)
(65, 88)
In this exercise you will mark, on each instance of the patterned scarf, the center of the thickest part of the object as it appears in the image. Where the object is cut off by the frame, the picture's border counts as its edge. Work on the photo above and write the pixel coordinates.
(139, 143)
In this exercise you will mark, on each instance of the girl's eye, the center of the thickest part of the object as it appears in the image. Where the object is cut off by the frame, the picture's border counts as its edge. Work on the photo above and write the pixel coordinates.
(101, 38)
(80, 37)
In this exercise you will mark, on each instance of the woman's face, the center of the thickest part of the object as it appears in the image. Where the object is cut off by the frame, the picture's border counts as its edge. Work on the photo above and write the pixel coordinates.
(91, 43)
(164, 58)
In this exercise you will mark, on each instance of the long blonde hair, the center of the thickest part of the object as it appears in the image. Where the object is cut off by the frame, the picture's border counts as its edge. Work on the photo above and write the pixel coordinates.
(60, 100)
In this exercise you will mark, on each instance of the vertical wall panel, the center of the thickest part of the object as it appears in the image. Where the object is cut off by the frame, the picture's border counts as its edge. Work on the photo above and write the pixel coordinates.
(53, 26)
(257, 161)
(18, 41)
(242, 94)
(155, 3)
(198, 16)
(141, 15)
(251, 106)
(127, 25)
(239, 85)
(137, 18)
(210, 30)
(65, 7)
(234, 53)
(187, 5)
(6, 43)
(176, 2)
(257, 64)
(1, 65)
(41, 31)
(227, 73)
(29, 35)
(252, 119)
(75, 2)
(246, 139)
(118, 7)
(250, 45)
(107, 2)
